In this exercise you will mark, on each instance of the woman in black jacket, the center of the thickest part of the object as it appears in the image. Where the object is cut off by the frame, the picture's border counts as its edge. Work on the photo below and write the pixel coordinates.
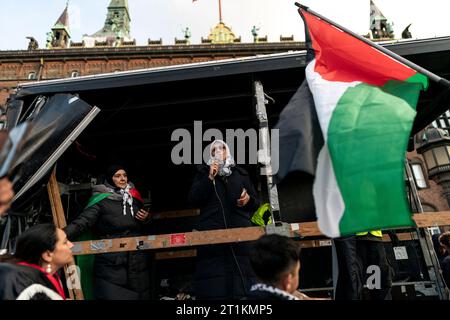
(227, 199)
(115, 210)
(32, 272)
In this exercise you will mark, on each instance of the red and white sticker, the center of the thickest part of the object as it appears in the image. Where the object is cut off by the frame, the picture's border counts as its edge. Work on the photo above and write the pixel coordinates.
(177, 239)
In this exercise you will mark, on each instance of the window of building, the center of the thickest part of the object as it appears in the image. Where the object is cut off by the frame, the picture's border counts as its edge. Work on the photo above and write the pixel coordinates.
(32, 76)
(429, 159)
(74, 74)
(419, 176)
(441, 156)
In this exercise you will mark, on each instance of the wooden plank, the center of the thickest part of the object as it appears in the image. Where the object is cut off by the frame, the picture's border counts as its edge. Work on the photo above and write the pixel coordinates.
(432, 219)
(176, 214)
(56, 206)
(306, 229)
(168, 240)
(304, 244)
(167, 255)
(406, 236)
(60, 221)
(199, 238)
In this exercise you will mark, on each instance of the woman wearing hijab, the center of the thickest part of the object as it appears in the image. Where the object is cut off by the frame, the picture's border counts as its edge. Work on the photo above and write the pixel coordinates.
(115, 211)
(32, 272)
(227, 199)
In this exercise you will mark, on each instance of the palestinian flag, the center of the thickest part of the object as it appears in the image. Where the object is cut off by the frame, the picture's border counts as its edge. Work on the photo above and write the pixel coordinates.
(364, 103)
(96, 198)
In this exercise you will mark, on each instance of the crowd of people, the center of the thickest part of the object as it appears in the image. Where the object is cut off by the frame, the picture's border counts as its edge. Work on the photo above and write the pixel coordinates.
(266, 269)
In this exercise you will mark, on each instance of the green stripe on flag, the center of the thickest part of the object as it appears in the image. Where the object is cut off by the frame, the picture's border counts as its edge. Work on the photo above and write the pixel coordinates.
(367, 139)
(419, 78)
(96, 199)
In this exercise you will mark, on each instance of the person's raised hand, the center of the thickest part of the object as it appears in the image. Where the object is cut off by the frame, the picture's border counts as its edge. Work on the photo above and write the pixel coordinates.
(142, 215)
(244, 199)
(213, 170)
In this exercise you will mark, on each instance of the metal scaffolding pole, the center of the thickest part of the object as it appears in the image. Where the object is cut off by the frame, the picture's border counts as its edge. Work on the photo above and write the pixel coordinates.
(264, 154)
(425, 240)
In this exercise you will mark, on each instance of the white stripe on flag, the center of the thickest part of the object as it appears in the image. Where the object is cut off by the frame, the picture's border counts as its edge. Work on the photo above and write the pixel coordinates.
(328, 200)
(326, 95)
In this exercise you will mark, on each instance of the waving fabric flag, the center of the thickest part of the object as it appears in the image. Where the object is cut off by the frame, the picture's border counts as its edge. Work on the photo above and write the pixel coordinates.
(364, 103)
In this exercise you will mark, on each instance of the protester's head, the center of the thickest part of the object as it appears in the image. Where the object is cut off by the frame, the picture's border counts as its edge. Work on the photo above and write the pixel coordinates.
(276, 261)
(444, 239)
(219, 148)
(44, 245)
(116, 176)
(220, 152)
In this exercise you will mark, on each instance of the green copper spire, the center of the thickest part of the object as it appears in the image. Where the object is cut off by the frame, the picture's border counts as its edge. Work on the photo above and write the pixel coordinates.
(117, 21)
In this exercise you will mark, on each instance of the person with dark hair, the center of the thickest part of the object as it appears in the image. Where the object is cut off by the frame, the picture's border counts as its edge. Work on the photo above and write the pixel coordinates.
(115, 210)
(32, 272)
(276, 262)
(227, 199)
(439, 249)
(444, 240)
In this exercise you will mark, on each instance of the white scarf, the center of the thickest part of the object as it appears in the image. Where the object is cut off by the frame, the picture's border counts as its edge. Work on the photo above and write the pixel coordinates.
(273, 290)
(127, 198)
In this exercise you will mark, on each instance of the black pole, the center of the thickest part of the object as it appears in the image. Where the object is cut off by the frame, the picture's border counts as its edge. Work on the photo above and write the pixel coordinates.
(391, 54)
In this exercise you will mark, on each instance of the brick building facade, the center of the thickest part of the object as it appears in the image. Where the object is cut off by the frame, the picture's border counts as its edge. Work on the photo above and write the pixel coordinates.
(24, 66)
(112, 49)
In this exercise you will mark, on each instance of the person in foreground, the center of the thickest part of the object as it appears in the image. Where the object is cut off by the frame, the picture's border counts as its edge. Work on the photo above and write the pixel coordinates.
(32, 272)
(276, 262)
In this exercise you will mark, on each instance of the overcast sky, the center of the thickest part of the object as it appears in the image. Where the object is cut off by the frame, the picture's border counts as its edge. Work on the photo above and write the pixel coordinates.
(166, 18)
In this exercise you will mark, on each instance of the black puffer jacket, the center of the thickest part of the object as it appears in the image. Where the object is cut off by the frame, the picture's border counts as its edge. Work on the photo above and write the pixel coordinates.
(25, 283)
(223, 271)
(117, 276)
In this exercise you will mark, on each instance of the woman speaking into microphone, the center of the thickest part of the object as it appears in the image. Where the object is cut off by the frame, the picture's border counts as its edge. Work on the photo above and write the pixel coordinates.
(227, 199)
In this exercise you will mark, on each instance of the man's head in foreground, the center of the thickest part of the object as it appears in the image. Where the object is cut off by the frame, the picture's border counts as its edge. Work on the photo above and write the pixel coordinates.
(276, 261)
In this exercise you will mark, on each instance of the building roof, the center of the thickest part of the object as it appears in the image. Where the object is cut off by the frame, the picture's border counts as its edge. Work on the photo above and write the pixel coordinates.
(152, 51)
(221, 33)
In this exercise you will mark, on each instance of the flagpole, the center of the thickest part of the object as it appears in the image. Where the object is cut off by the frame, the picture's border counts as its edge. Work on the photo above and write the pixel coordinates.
(389, 53)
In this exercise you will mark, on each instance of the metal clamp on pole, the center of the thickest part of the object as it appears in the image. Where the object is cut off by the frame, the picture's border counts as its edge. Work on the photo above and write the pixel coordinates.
(283, 229)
